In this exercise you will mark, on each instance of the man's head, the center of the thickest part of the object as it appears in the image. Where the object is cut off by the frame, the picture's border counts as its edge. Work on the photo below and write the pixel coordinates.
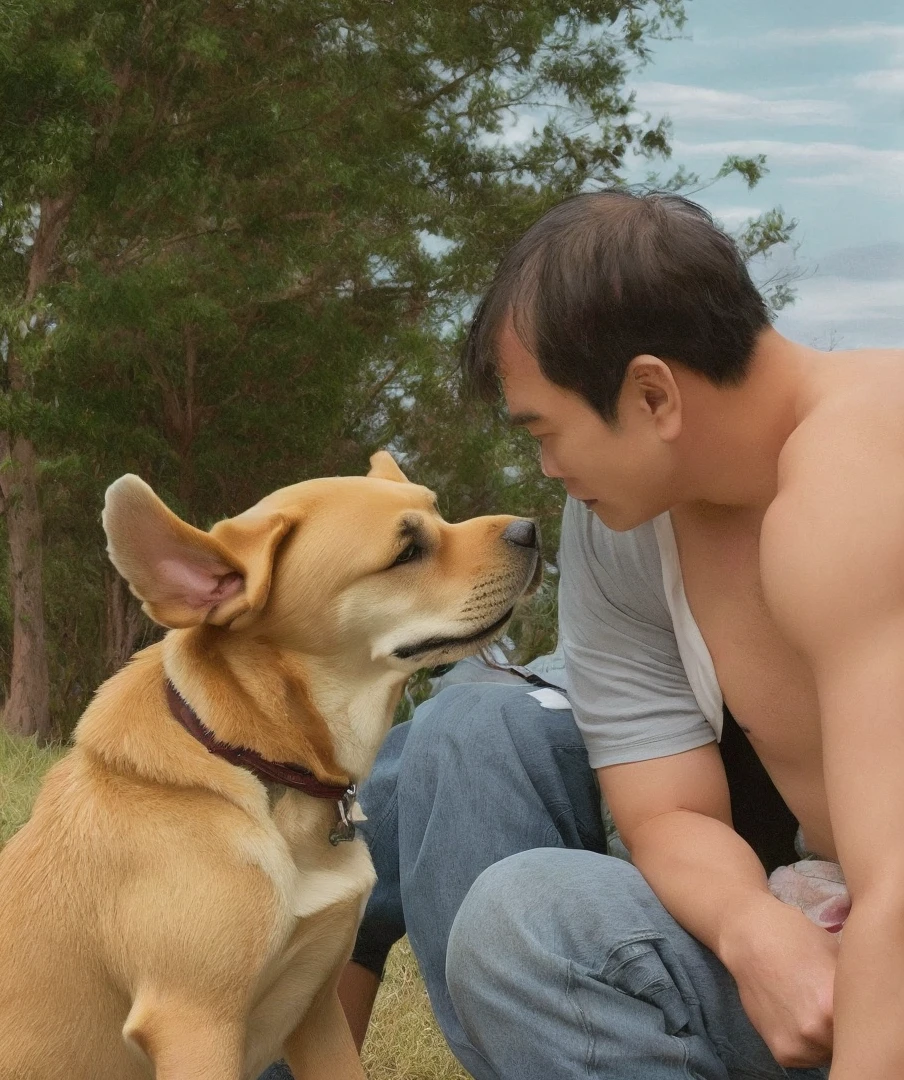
(588, 319)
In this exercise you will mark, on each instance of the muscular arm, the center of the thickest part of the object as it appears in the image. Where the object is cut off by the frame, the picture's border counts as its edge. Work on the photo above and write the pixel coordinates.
(664, 781)
(674, 816)
(833, 571)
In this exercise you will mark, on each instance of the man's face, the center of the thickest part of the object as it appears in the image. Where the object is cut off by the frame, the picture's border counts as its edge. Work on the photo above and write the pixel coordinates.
(623, 475)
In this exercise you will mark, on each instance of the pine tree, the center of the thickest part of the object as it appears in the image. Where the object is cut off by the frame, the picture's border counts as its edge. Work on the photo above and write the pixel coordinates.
(238, 239)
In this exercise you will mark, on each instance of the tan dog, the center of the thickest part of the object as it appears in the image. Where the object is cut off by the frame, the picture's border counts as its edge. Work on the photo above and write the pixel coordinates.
(167, 913)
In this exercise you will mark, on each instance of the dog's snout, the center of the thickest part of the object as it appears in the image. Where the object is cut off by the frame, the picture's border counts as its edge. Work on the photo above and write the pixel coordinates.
(521, 532)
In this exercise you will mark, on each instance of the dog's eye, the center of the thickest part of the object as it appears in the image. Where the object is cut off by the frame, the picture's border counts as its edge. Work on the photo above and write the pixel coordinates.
(413, 551)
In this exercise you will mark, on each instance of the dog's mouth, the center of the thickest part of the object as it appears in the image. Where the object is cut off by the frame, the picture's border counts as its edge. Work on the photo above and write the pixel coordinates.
(450, 644)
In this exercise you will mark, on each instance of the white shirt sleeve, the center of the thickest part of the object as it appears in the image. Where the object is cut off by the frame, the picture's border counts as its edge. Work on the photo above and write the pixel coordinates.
(630, 692)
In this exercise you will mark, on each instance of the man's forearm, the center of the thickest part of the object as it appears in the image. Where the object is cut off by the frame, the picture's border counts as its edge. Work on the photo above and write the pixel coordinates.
(869, 994)
(706, 876)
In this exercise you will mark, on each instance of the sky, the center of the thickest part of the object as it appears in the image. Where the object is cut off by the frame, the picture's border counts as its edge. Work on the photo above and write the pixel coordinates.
(818, 87)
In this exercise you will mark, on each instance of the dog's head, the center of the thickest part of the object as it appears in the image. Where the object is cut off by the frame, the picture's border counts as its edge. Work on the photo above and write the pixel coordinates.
(361, 566)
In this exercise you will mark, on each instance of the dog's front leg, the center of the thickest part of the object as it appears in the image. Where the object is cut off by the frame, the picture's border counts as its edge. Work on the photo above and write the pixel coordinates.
(322, 1047)
(185, 1041)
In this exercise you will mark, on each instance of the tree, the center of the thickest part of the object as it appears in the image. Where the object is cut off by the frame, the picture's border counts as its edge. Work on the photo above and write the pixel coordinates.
(239, 236)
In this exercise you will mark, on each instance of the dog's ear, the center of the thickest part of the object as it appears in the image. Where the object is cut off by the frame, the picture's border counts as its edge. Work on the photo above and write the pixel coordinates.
(185, 576)
(383, 467)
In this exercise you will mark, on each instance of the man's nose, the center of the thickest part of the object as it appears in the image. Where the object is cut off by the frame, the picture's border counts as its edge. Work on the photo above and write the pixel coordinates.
(548, 466)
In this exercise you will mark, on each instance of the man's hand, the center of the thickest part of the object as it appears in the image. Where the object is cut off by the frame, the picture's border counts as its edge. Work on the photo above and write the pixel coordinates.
(784, 966)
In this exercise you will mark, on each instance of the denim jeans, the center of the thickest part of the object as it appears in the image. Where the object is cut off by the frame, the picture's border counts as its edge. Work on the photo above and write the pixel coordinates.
(544, 958)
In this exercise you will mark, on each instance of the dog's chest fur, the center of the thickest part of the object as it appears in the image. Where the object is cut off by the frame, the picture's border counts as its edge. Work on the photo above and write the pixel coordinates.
(321, 891)
(292, 847)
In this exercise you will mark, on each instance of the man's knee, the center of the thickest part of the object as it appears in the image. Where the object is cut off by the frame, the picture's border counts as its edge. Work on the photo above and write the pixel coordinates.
(465, 717)
(478, 724)
(545, 902)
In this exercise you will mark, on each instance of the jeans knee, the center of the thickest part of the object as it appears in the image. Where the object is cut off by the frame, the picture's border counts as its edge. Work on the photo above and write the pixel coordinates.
(462, 718)
(508, 908)
(578, 905)
(479, 938)
(482, 724)
(531, 884)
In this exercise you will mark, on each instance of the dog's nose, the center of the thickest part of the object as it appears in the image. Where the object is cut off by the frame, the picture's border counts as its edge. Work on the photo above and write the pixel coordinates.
(521, 532)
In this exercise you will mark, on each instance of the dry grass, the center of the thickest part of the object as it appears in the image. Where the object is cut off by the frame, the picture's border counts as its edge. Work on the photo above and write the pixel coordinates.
(403, 1043)
(22, 767)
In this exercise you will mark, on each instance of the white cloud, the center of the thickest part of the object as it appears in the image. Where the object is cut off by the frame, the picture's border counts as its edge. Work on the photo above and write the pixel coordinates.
(849, 312)
(519, 127)
(882, 81)
(732, 216)
(865, 262)
(872, 170)
(796, 153)
(689, 103)
(846, 34)
(522, 128)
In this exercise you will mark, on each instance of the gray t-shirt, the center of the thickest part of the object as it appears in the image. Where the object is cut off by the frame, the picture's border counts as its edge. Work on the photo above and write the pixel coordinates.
(640, 681)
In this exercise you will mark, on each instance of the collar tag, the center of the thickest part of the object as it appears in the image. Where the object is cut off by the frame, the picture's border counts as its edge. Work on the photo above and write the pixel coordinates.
(344, 829)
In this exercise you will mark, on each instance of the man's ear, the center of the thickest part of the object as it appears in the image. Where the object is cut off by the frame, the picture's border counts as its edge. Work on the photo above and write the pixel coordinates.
(182, 575)
(651, 386)
(383, 467)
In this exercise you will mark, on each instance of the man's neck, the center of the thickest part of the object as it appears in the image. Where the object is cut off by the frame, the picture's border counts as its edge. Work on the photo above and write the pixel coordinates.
(733, 436)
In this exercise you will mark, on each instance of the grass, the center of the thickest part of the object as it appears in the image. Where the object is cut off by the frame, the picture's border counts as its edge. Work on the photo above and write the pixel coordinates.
(22, 767)
(403, 1042)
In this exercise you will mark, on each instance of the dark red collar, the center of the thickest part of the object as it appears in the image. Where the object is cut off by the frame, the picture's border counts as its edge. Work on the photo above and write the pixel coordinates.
(279, 772)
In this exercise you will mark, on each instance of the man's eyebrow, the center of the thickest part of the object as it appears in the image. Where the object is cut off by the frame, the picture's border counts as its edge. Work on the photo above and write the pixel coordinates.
(522, 418)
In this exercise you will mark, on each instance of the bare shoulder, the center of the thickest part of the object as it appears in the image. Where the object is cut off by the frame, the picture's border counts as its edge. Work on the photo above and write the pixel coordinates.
(832, 542)
(853, 414)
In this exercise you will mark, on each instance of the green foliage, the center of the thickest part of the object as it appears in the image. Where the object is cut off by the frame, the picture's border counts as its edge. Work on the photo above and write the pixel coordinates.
(272, 219)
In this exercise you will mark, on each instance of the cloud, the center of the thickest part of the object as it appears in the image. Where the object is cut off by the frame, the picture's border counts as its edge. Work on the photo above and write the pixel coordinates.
(733, 216)
(871, 170)
(846, 34)
(797, 153)
(866, 262)
(882, 81)
(850, 298)
(847, 312)
(695, 103)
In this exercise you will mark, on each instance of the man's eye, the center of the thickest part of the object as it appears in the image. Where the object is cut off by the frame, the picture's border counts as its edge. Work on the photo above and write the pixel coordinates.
(411, 552)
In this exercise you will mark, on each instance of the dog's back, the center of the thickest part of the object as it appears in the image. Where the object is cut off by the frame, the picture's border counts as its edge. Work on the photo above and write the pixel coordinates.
(61, 1014)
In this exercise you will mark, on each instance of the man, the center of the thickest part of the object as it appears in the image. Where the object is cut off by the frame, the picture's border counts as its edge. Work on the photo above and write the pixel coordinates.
(735, 534)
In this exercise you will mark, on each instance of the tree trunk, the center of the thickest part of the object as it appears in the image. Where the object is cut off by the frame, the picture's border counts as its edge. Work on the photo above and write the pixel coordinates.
(124, 621)
(27, 709)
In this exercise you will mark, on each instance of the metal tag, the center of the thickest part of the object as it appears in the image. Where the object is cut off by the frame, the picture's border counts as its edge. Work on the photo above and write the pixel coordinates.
(344, 829)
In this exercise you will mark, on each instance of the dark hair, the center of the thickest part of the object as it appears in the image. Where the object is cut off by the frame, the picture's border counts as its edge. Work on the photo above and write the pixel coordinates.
(607, 276)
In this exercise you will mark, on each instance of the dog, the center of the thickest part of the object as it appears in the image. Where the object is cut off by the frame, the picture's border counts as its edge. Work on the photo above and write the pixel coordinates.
(184, 897)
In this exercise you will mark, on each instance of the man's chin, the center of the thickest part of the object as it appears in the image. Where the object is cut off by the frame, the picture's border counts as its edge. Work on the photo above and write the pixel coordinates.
(620, 519)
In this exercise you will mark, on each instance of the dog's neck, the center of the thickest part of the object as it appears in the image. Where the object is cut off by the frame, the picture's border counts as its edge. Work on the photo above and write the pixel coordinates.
(328, 715)
(360, 702)
(276, 705)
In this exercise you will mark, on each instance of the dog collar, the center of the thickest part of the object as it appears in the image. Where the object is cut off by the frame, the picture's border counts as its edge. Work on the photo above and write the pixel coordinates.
(279, 772)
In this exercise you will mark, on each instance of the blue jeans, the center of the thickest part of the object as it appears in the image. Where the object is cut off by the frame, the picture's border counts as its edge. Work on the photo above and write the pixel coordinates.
(543, 957)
